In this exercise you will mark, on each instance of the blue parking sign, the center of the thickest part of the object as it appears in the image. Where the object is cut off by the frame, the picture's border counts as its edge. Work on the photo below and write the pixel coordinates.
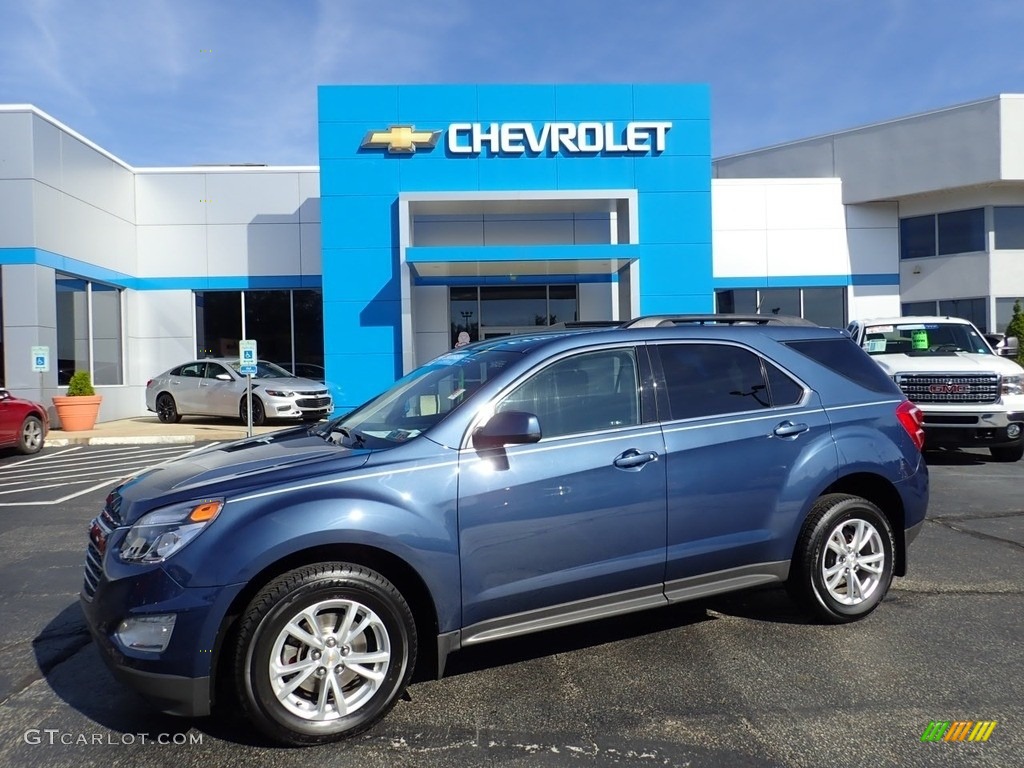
(247, 351)
(40, 359)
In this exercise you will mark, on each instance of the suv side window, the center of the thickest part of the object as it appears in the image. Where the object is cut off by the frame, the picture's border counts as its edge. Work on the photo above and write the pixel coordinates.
(717, 379)
(584, 393)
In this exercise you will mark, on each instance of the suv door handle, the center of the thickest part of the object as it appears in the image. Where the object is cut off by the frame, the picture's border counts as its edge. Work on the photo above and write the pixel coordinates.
(634, 459)
(789, 429)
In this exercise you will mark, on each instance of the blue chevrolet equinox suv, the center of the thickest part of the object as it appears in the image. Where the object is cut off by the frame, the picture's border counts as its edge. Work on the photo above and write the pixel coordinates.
(506, 487)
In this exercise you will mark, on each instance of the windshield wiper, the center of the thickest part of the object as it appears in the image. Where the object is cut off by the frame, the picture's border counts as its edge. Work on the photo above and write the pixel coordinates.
(328, 433)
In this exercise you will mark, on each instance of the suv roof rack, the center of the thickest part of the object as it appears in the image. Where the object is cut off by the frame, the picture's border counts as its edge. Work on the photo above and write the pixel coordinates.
(667, 321)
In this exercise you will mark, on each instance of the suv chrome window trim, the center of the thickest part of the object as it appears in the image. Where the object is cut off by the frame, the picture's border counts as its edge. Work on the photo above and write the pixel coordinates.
(718, 420)
(576, 440)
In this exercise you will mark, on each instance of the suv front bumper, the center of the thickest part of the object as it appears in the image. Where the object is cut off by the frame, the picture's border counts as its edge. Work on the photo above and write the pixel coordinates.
(178, 680)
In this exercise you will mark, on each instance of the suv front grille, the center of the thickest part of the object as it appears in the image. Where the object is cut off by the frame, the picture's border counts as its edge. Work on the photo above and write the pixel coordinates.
(977, 388)
(99, 532)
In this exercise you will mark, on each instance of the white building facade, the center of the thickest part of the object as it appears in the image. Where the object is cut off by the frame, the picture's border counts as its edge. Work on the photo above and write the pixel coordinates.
(126, 271)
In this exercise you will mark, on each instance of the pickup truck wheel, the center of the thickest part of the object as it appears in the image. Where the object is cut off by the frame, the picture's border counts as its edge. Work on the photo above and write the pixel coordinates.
(843, 563)
(1008, 452)
(323, 653)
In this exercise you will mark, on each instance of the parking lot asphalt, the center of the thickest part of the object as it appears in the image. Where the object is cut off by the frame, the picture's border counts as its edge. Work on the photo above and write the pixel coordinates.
(740, 680)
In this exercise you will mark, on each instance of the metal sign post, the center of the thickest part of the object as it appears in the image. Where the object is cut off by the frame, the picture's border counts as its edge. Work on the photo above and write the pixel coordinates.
(247, 367)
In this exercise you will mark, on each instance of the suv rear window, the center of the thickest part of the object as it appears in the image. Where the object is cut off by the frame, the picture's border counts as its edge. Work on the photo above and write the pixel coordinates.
(847, 359)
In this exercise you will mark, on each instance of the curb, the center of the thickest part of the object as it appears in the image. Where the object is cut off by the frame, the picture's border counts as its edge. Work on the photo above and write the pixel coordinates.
(61, 442)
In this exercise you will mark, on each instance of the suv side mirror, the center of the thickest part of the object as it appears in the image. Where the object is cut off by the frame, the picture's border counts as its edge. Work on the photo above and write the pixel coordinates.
(223, 377)
(4, 394)
(508, 428)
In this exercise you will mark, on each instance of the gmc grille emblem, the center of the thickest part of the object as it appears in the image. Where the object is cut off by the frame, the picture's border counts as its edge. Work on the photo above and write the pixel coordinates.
(948, 389)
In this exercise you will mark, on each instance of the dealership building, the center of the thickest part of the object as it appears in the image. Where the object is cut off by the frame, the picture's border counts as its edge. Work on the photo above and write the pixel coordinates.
(491, 210)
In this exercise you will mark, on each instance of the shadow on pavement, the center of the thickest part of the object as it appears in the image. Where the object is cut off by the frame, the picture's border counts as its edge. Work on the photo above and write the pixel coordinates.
(957, 458)
(70, 662)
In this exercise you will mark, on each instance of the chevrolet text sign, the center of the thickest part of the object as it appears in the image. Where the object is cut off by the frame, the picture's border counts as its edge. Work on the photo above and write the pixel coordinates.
(571, 138)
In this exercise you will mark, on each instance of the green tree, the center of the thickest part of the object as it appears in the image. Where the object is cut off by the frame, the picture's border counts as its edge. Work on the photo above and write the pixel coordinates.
(1016, 328)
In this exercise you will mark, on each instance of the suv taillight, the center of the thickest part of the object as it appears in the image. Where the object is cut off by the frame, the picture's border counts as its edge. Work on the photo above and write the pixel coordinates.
(912, 419)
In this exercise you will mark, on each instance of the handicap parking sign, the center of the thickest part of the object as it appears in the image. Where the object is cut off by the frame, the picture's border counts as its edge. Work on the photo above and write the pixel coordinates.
(40, 359)
(247, 352)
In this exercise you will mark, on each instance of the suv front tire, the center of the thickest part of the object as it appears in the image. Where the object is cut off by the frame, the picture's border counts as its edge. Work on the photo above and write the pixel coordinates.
(323, 653)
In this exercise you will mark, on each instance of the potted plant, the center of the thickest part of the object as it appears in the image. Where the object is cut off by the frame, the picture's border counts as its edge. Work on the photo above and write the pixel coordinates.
(78, 409)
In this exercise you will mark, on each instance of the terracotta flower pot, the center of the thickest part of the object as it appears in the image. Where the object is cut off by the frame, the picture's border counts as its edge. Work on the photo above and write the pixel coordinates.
(79, 413)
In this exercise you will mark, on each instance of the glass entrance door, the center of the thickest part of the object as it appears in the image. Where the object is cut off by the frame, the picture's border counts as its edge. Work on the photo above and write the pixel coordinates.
(490, 311)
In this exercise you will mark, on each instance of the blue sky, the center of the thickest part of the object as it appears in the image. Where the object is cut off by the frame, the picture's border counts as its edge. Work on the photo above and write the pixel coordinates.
(177, 82)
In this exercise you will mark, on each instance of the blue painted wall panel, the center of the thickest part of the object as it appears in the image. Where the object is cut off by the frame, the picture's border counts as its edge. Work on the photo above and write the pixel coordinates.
(669, 101)
(592, 172)
(675, 217)
(359, 212)
(523, 172)
(576, 103)
(357, 222)
(375, 104)
(677, 173)
(438, 103)
(438, 174)
(367, 272)
(515, 103)
(363, 176)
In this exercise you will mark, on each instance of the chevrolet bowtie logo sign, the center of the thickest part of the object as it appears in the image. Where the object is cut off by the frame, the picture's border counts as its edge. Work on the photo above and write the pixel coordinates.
(401, 138)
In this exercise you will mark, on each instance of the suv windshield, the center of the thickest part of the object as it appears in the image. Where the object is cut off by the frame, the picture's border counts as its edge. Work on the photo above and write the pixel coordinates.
(924, 339)
(421, 399)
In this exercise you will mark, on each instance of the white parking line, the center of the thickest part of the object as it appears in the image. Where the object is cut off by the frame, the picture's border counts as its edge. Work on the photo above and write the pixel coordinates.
(76, 469)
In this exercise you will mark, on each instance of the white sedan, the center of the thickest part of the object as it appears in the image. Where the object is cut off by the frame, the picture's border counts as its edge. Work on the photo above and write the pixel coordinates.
(214, 387)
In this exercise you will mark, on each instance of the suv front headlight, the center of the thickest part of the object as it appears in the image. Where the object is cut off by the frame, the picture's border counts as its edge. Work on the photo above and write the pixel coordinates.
(159, 534)
(1013, 385)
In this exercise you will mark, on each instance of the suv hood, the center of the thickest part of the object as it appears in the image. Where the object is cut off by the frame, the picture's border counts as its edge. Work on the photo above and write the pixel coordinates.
(219, 469)
(965, 362)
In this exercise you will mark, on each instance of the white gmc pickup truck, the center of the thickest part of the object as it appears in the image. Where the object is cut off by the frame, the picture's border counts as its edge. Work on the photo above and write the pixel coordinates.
(970, 396)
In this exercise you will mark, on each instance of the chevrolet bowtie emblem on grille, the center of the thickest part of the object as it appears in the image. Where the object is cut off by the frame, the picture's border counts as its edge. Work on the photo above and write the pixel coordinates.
(401, 138)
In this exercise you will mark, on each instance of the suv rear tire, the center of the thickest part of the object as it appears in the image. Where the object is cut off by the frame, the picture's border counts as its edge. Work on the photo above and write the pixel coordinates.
(323, 653)
(843, 563)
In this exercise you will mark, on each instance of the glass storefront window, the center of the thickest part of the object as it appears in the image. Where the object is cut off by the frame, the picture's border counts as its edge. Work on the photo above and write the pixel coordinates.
(942, 234)
(1008, 222)
(218, 323)
(106, 335)
(72, 327)
(287, 326)
(492, 310)
(562, 304)
(78, 302)
(824, 306)
(308, 325)
(917, 237)
(464, 308)
(961, 231)
(513, 305)
(975, 310)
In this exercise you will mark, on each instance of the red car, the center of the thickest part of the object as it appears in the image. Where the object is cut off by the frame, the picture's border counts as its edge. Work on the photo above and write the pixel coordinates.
(23, 423)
